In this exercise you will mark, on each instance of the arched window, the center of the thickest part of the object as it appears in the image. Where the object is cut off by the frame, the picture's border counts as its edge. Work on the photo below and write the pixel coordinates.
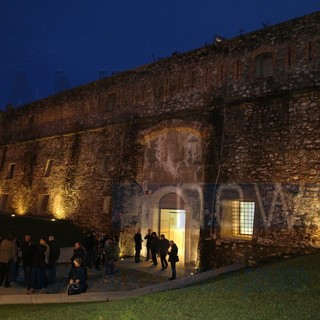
(263, 65)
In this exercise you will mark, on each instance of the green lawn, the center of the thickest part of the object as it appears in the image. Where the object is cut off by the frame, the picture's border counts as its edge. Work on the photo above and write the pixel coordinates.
(288, 289)
(65, 232)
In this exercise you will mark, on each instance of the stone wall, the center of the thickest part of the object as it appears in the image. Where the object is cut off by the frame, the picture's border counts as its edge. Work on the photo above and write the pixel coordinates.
(241, 112)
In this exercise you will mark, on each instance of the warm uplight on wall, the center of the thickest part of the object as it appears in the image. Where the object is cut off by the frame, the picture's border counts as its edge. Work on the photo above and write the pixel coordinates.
(58, 208)
(20, 207)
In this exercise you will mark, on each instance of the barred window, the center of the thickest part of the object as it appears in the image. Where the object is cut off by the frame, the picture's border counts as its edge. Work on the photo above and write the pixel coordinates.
(242, 218)
(237, 219)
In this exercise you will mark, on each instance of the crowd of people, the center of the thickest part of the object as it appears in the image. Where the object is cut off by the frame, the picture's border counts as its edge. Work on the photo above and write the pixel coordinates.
(39, 260)
(157, 248)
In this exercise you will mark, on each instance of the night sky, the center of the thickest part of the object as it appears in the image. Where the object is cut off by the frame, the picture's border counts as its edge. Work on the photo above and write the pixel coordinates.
(51, 45)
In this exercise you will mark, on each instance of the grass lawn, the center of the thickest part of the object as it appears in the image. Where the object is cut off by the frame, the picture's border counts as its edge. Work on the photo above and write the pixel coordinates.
(66, 233)
(288, 289)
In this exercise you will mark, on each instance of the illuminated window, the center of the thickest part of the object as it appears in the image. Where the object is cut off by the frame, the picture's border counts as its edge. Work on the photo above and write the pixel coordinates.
(237, 219)
(10, 171)
(242, 218)
(47, 170)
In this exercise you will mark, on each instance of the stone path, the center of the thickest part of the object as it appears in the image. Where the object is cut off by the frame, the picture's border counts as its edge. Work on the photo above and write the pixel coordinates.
(131, 280)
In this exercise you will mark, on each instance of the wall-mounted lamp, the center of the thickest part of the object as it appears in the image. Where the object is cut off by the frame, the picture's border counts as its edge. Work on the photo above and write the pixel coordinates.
(218, 39)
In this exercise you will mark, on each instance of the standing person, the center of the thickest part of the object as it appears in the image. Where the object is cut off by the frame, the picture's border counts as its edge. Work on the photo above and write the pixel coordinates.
(98, 252)
(45, 250)
(173, 258)
(38, 269)
(154, 247)
(138, 245)
(8, 255)
(148, 237)
(104, 245)
(116, 253)
(25, 257)
(28, 252)
(163, 250)
(109, 262)
(53, 258)
(89, 247)
(78, 252)
(14, 266)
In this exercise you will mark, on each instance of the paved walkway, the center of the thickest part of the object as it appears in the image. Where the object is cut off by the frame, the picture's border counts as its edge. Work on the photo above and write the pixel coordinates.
(185, 277)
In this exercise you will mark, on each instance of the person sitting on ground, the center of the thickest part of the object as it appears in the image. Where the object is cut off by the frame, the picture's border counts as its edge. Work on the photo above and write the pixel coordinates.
(77, 278)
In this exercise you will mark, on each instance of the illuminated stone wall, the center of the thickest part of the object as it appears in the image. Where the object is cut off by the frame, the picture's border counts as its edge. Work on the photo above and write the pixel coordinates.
(244, 112)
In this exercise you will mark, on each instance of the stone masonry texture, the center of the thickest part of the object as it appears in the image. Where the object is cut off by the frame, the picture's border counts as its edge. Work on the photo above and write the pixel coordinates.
(240, 117)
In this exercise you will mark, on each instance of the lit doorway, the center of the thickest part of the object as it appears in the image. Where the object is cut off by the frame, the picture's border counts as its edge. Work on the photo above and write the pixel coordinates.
(172, 225)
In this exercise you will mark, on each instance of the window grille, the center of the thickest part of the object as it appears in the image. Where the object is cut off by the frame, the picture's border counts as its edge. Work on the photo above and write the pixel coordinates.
(242, 218)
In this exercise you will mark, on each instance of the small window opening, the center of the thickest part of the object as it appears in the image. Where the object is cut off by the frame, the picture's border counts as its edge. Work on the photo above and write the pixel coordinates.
(263, 65)
(47, 170)
(10, 171)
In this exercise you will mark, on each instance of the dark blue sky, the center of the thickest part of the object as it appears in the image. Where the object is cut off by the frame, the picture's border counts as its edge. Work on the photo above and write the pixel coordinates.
(80, 38)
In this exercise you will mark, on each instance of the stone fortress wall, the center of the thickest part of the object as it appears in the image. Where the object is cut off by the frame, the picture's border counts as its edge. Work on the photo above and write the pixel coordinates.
(242, 114)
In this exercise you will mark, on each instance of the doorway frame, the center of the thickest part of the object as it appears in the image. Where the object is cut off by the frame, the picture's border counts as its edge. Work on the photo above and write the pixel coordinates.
(151, 214)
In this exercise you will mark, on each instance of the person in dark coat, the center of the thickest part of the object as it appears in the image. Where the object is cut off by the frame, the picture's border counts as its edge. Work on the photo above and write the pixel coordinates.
(88, 244)
(38, 269)
(97, 252)
(78, 252)
(148, 237)
(154, 247)
(28, 250)
(8, 254)
(163, 250)
(26, 258)
(77, 276)
(109, 259)
(138, 245)
(173, 259)
(54, 254)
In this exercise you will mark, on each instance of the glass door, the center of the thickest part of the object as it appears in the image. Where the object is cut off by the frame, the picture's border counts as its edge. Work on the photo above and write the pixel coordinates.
(172, 225)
